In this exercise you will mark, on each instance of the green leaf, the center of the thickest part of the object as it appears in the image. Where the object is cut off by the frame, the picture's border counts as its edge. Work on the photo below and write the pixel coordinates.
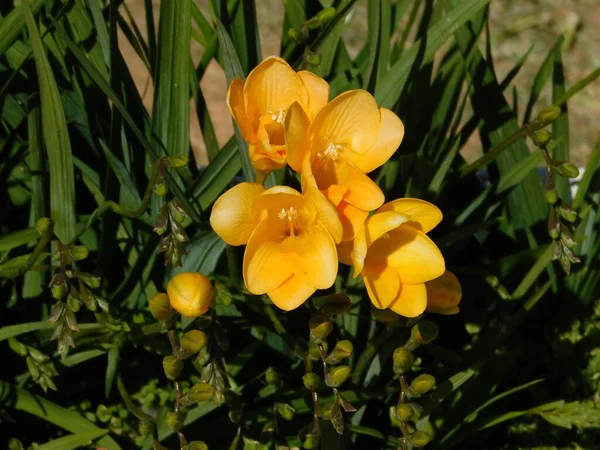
(378, 42)
(73, 441)
(111, 368)
(78, 358)
(539, 81)
(519, 171)
(591, 168)
(18, 238)
(13, 24)
(56, 139)
(22, 328)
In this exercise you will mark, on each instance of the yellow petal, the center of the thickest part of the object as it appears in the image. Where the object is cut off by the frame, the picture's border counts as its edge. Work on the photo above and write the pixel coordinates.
(230, 216)
(291, 294)
(265, 266)
(318, 92)
(237, 108)
(296, 127)
(351, 120)
(411, 300)
(422, 215)
(391, 132)
(315, 257)
(271, 87)
(344, 249)
(444, 294)
(352, 219)
(382, 284)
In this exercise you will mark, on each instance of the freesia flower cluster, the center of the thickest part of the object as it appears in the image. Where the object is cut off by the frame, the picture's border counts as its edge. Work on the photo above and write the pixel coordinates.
(294, 240)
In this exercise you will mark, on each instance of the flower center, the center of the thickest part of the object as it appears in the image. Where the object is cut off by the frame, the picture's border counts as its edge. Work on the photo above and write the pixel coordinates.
(291, 216)
(331, 152)
(277, 116)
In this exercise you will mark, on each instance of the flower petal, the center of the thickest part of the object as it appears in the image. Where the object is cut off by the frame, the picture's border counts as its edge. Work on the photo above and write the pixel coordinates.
(411, 300)
(318, 92)
(411, 252)
(316, 261)
(296, 127)
(444, 294)
(291, 294)
(344, 249)
(230, 216)
(421, 214)
(382, 284)
(391, 132)
(271, 87)
(237, 108)
(351, 120)
(352, 219)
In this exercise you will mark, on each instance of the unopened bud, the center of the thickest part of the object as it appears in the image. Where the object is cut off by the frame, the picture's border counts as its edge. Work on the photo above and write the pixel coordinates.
(59, 286)
(285, 410)
(568, 169)
(272, 377)
(179, 214)
(160, 307)
(190, 293)
(174, 420)
(197, 445)
(548, 114)
(403, 360)
(18, 347)
(200, 392)
(336, 304)
(223, 296)
(569, 214)
(419, 439)
(320, 327)
(314, 59)
(384, 315)
(160, 188)
(79, 253)
(172, 366)
(298, 35)
(193, 341)
(235, 416)
(311, 441)
(551, 196)
(567, 238)
(176, 161)
(326, 14)
(405, 412)
(91, 280)
(313, 23)
(424, 332)
(542, 137)
(337, 376)
(553, 224)
(44, 225)
(146, 428)
(342, 350)
(311, 381)
(423, 383)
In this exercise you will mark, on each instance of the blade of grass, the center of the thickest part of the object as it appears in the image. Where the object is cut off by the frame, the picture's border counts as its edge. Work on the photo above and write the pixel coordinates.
(73, 441)
(13, 24)
(539, 81)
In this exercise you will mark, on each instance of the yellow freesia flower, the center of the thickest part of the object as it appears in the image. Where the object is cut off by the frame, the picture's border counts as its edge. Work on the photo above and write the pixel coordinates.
(395, 257)
(348, 138)
(444, 294)
(259, 106)
(291, 239)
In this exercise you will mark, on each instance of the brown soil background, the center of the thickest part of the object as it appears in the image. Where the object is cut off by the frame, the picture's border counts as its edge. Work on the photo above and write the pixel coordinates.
(514, 24)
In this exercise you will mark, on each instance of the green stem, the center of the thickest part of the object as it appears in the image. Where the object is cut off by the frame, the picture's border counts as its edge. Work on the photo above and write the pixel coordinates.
(136, 410)
(581, 84)
(46, 236)
(369, 353)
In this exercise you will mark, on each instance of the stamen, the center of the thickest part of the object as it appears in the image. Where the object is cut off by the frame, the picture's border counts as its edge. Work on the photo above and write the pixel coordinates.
(277, 116)
(332, 151)
(290, 214)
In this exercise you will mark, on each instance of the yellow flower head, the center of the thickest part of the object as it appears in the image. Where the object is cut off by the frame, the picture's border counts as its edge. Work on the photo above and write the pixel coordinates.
(290, 239)
(348, 138)
(259, 106)
(444, 294)
(190, 293)
(395, 257)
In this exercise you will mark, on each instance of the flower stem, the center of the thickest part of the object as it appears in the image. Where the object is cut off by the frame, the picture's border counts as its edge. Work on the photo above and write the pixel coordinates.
(175, 348)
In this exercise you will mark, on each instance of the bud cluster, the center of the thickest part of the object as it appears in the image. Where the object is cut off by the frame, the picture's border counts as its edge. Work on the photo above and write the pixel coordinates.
(171, 222)
(39, 365)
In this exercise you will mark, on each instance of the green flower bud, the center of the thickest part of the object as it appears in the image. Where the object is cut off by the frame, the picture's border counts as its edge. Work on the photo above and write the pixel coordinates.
(567, 238)
(342, 349)
(33, 369)
(313, 352)
(569, 214)
(553, 224)
(44, 225)
(311, 381)
(174, 420)
(298, 35)
(423, 383)
(160, 307)
(419, 439)
(405, 412)
(162, 221)
(223, 296)
(337, 376)
(314, 59)
(179, 214)
(551, 196)
(285, 410)
(568, 170)
(311, 441)
(176, 161)
(197, 445)
(336, 304)
(542, 138)
(200, 392)
(103, 413)
(18, 347)
(172, 366)
(160, 188)
(37, 356)
(548, 114)
(326, 14)
(320, 327)
(79, 253)
(313, 23)
(424, 332)
(273, 377)
(193, 341)
(403, 360)
(92, 281)
(15, 444)
(59, 286)
(146, 427)
(235, 416)
(203, 357)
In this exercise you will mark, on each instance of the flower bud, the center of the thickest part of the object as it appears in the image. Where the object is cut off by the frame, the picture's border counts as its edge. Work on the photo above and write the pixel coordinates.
(542, 138)
(337, 376)
(223, 296)
(79, 253)
(553, 224)
(160, 307)
(424, 332)
(200, 392)
(193, 341)
(342, 350)
(44, 225)
(18, 347)
(423, 383)
(314, 59)
(190, 293)
(320, 327)
(548, 114)
(273, 377)
(568, 170)
(235, 416)
(567, 238)
(33, 369)
(37, 356)
(336, 304)
(197, 445)
(405, 412)
(403, 360)
(59, 286)
(443, 294)
(419, 439)
(569, 214)
(326, 14)
(176, 161)
(285, 410)
(313, 23)
(311, 381)
(172, 366)
(160, 188)
(179, 214)
(298, 35)
(551, 196)
(311, 441)
(146, 427)
(174, 420)
(91, 280)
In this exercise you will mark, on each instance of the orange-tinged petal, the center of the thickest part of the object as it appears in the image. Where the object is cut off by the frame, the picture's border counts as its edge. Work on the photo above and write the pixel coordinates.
(351, 120)
(344, 249)
(266, 266)
(291, 294)
(411, 300)
(317, 261)
(391, 132)
(318, 92)
(237, 108)
(335, 193)
(271, 87)
(296, 127)
(411, 252)
(352, 219)
(230, 216)
(444, 294)
(382, 284)
(422, 215)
